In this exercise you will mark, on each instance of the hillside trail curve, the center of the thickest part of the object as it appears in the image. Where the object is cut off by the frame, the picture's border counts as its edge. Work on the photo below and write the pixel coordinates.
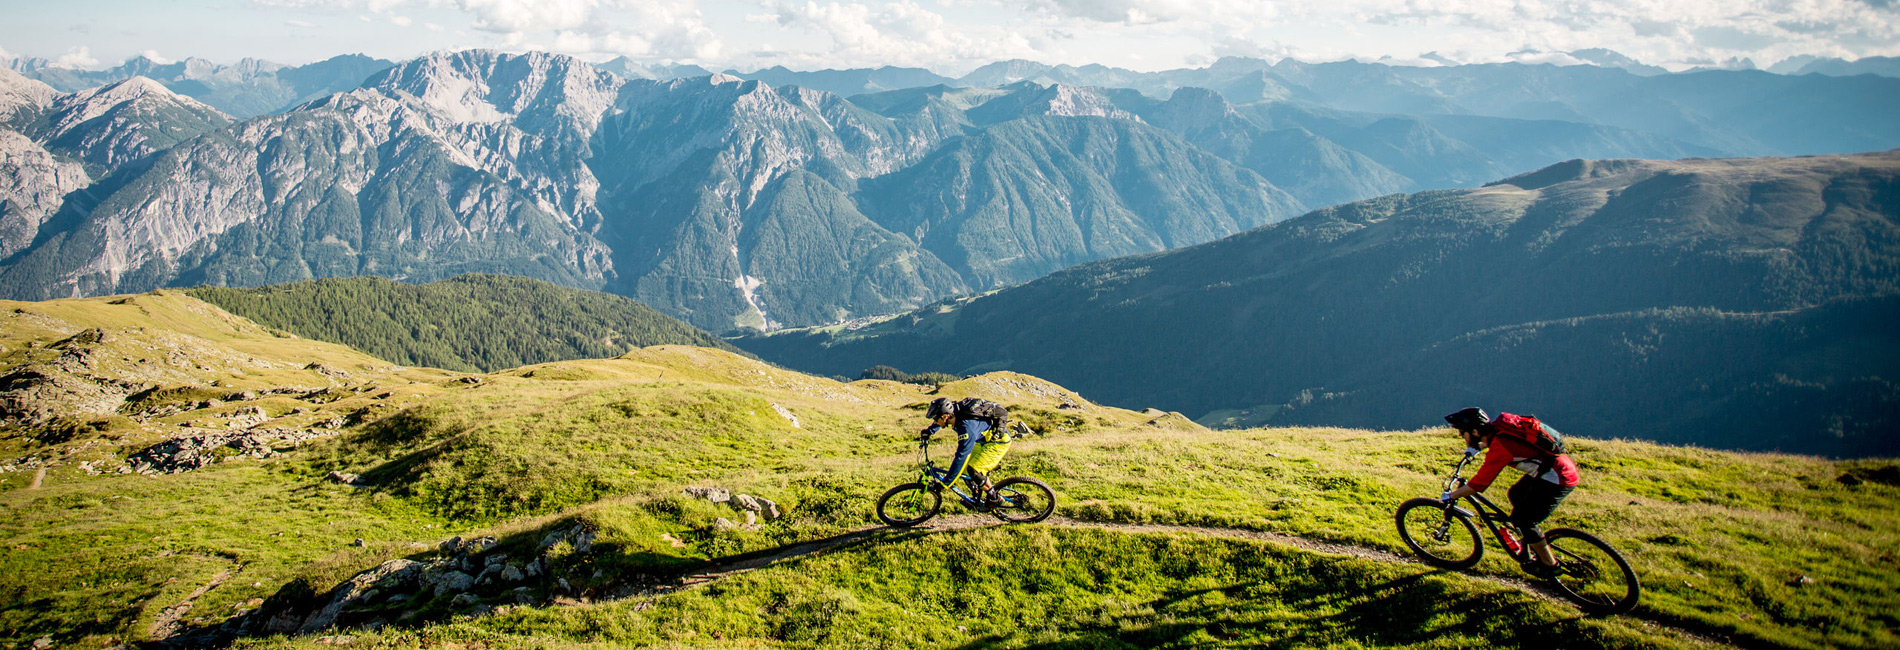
(747, 563)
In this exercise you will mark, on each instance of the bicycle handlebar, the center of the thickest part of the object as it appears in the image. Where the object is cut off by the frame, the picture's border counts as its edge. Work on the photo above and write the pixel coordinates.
(1455, 481)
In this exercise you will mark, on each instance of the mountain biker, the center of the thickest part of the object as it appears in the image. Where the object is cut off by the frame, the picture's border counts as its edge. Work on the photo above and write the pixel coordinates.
(982, 440)
(1548, 478)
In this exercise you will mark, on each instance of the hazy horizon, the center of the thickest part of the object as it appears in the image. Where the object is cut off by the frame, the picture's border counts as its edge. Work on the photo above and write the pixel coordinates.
(953, 37)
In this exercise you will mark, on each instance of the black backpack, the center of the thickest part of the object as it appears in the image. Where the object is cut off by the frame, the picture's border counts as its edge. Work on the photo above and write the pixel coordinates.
(976, 408)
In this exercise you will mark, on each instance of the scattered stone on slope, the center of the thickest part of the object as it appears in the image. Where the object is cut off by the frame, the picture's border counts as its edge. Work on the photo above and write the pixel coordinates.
(751, 504)
(454, 582)
(713, 494)
(394, 574)
(198, 448)
(41, 393)
(327, 371)
(786, 414)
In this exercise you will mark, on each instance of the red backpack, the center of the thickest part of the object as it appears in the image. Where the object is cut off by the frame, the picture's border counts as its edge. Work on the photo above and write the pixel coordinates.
(1528, 429)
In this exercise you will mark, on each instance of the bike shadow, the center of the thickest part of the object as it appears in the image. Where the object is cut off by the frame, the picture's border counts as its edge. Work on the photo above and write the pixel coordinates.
(1404, 611)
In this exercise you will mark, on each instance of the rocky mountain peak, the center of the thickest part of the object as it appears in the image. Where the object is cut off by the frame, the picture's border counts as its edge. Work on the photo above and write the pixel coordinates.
(1005, 72)
(77, 108)
(21, 97)
(1074, 101)
(86, 105)
(1197, 105)
(1030, 98)
(486, 86)
(124, 121)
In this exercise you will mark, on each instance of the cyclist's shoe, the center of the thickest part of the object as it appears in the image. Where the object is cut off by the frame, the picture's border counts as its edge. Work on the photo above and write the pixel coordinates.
(994, 500)
(1541, 570)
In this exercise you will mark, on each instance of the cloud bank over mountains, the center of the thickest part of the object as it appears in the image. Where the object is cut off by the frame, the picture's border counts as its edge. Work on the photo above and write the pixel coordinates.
(956, 36)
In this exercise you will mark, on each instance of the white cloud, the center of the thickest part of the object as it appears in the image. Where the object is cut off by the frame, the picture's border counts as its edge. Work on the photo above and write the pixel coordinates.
(1491, 30)
(301, 24)
(899, 33)
(77, 58)
(1536, 56)
(374, 6)
(401, 21)
(519, 16)
(432, 27)
(155, 57)
(1140, 12)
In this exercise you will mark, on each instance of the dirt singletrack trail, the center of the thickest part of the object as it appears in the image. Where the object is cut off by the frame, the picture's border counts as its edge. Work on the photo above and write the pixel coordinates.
(754, 561)
(171, 620)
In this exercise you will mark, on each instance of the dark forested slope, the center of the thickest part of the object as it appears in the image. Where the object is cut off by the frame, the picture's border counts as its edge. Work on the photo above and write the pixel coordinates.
(1738, 303)
(471, 322)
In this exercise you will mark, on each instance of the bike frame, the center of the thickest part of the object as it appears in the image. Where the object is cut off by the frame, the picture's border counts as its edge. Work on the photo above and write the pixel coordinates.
(1493, 517)
(932, 473)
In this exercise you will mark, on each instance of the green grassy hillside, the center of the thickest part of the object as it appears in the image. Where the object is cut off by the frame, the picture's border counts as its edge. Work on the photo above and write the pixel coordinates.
(1740, 304)
(579, 466)
(473, 322)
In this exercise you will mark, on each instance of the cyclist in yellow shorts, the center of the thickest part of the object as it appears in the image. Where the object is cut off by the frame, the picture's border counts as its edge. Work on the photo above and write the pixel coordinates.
(982, 440)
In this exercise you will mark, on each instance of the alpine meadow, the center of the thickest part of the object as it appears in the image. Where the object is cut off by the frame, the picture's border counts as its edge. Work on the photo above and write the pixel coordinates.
(745, 324)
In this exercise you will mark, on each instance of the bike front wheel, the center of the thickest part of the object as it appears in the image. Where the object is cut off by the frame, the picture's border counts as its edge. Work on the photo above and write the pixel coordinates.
(908, 505)
(1025, 500)
(1442, 537)
(1592, 573)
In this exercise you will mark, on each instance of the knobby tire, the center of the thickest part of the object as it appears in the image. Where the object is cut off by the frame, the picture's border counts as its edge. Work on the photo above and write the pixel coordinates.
(1593, 574)
(1440, 536)
(901, 506)
(1025, 500)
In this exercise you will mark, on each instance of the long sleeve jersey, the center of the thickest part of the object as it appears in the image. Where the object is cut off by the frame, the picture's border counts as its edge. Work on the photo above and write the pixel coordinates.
(1525, 457)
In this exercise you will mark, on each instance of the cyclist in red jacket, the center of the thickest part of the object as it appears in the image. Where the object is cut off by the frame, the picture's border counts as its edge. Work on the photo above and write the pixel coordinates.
(1548, 478)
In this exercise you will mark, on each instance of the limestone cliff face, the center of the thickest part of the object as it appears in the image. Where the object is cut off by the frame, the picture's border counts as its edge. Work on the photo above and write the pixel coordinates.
(110, 126)
(727, 202)
(22, 99)
(418, 178)
(33, 183)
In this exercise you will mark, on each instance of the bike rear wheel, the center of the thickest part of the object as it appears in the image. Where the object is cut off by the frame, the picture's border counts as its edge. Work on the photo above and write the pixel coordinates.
(908, 505)
(1592, 573)
(1025, 500)
(1441, 536)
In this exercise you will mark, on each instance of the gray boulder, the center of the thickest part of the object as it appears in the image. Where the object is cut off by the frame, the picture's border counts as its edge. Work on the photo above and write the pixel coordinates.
(713, 494)
(454, 582)
(765, 507)
(394, 574)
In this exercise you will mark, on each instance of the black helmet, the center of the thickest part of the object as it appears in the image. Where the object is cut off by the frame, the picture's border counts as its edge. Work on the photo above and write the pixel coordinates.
(940, 407)
(1467, 418)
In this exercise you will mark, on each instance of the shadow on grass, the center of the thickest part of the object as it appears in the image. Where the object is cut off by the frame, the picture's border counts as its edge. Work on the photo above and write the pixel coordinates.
(1405, 611)
(627, 575)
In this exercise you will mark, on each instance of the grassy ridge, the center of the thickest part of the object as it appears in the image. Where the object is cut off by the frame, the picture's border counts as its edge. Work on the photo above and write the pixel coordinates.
(1720, 539)
(1047, 588)
(474, 322)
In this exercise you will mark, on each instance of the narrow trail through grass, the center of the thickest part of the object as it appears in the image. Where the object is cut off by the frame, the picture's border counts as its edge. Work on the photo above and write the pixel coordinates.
(749, 562)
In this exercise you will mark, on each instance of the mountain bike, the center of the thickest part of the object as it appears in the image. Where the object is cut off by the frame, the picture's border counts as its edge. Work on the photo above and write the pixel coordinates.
(1024, 499)
(1588, 570)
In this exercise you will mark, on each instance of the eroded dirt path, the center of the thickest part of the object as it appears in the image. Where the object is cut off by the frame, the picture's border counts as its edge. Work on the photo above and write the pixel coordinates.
(171, 620)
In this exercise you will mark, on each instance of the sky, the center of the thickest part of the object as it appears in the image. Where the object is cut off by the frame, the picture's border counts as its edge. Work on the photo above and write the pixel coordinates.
(953, 37)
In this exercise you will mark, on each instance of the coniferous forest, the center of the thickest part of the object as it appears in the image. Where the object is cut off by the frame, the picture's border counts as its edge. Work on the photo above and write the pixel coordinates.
(471, 322)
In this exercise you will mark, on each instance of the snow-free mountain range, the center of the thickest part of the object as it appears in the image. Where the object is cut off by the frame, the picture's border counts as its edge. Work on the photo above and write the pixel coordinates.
(779, 200)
